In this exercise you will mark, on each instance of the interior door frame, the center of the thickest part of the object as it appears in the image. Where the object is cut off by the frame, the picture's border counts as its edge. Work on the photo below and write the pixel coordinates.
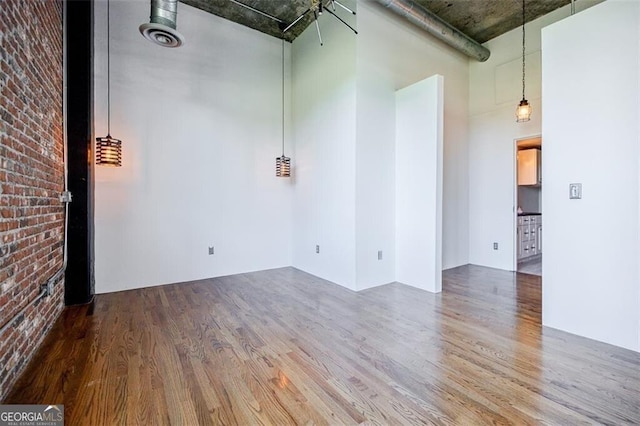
(514, 225)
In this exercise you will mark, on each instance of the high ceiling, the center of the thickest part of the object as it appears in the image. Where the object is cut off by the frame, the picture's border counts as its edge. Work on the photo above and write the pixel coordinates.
(482, 20)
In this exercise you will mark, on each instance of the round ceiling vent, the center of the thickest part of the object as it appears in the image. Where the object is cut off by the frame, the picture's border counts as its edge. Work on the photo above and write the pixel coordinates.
(162, 35)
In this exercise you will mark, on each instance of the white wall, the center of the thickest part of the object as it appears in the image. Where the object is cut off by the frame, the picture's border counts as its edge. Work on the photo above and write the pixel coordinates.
(419, 120)
(495, 89)
(324, 104)
(393, 54)
(375, 159)
(592, 246)
(375, 180)
(344, 103)
(201, 127)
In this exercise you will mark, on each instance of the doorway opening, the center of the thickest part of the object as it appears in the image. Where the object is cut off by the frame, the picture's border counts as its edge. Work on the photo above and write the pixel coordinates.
(528, 195)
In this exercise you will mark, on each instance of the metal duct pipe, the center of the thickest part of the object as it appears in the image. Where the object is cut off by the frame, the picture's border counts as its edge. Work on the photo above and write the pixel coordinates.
(164, 12)
(435, 26)
(162, 28)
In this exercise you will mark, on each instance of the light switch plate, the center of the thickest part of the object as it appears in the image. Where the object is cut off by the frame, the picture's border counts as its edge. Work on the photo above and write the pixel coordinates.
(575, 191)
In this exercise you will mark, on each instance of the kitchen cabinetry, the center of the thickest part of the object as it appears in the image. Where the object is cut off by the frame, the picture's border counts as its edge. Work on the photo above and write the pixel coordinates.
(529, 236)
(529, 167)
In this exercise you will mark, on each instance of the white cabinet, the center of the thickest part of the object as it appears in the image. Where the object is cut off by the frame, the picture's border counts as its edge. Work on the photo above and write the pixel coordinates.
(529, 236)
(529, 167)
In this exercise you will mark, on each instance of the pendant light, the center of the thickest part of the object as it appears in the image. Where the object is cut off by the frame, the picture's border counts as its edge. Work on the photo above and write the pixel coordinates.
(523, 111)
(108, 149)
(283, 164)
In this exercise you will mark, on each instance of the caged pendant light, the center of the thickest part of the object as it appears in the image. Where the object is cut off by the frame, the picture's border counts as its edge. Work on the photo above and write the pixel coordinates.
(108, 149)
(283, 164)
(523, 111)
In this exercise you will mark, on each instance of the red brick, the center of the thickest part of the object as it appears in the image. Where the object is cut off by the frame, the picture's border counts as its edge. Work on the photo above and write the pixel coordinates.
(31, 218)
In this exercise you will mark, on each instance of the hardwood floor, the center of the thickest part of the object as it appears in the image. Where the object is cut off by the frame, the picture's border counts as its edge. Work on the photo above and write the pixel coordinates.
(284, 347)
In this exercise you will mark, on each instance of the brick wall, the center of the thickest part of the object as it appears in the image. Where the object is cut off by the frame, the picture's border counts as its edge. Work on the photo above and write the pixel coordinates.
(31, 176)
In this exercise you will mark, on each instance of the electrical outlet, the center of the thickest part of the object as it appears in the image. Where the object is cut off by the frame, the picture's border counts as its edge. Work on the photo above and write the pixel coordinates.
(66, 197)
(495, 246)
(575, 191)
(379, 254)
(47, 288)
(317, 249)
(211, 250)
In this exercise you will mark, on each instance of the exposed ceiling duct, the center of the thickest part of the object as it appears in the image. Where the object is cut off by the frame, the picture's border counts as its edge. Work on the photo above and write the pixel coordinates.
(162, 28)
(435, 26)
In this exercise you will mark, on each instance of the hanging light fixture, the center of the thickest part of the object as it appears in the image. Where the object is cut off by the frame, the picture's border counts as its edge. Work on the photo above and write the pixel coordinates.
(523, 111)
(283, 164)
(108, 149)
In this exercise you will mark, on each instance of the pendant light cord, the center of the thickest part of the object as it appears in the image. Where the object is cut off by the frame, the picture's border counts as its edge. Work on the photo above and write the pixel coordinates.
(108, 71)
(283, 97)
(523, 44)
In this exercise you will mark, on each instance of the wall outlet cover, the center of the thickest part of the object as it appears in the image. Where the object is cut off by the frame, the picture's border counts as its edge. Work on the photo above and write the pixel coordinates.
(575, 191)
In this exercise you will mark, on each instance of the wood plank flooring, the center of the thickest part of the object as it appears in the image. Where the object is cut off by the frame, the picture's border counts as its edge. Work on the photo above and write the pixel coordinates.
(283, 347)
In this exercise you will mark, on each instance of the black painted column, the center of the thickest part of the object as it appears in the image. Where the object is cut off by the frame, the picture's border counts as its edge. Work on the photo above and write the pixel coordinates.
(79, 277)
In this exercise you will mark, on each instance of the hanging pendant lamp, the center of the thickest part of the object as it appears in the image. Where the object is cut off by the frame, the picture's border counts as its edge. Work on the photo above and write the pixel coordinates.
(523, 111)
(283, 164)
(108, 149)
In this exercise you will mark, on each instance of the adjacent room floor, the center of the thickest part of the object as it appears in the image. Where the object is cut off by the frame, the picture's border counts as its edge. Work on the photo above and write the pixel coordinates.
(284, 347)
(533, 266)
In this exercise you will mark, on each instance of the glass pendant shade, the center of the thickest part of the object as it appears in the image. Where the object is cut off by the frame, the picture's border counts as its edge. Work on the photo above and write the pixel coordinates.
(523, 111)
(283, 166)
(109, 151)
